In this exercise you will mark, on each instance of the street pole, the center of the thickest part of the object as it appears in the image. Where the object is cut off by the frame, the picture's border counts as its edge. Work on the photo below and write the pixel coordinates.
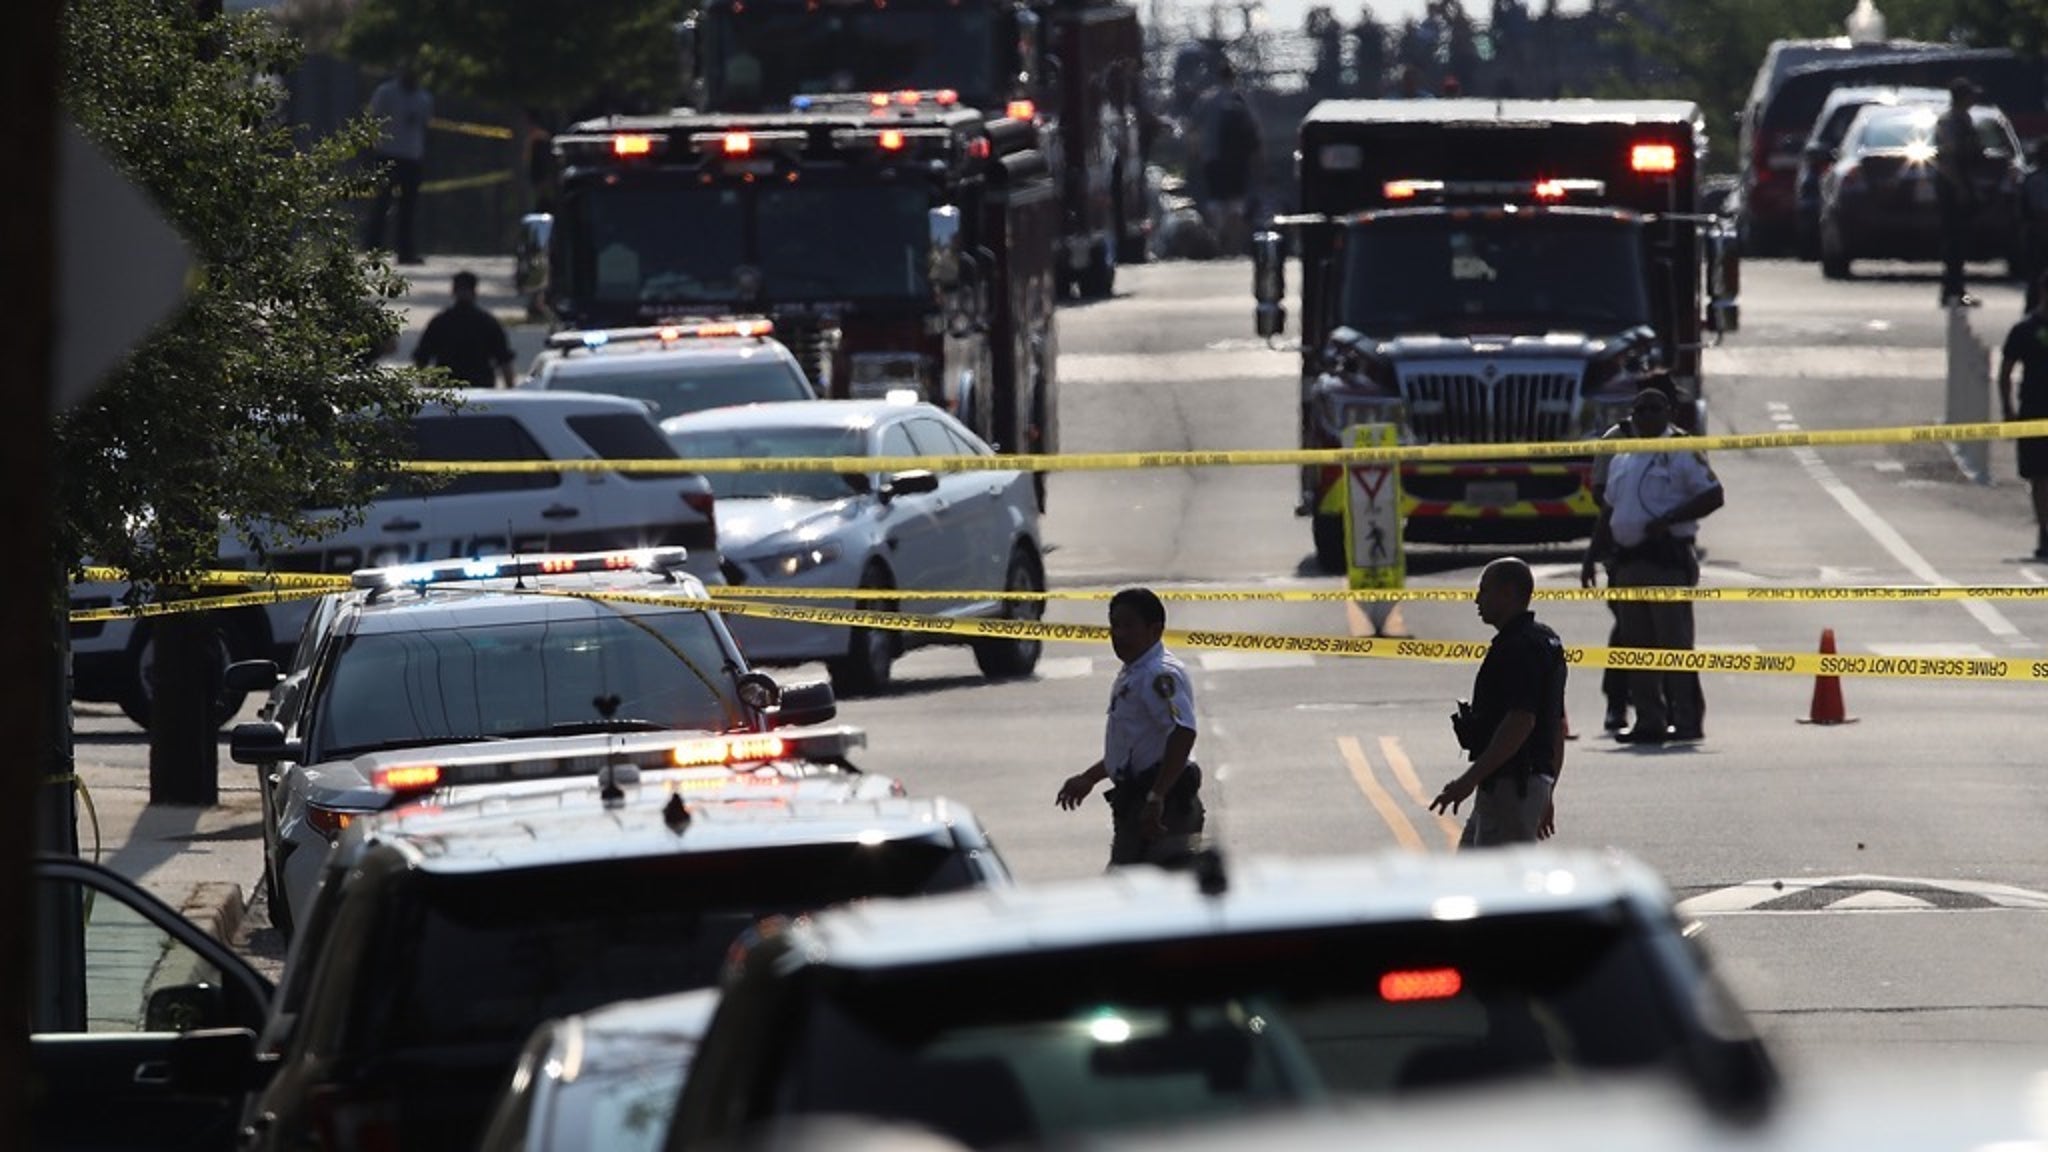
(29, 638)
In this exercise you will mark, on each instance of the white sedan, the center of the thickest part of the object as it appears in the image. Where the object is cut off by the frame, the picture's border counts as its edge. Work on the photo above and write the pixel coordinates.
(914, 529)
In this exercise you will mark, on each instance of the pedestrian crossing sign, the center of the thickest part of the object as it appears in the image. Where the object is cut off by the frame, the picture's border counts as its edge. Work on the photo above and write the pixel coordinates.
(1372, 514)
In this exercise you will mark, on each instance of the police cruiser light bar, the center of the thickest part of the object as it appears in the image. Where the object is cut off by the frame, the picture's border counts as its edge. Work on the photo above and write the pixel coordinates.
(738, 760)
(740, 145)
(1440, 191)
(511, 567)
(666, 333)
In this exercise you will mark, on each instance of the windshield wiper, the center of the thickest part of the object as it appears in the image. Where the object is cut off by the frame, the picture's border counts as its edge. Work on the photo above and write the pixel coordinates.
(577, 727)
(351, 751)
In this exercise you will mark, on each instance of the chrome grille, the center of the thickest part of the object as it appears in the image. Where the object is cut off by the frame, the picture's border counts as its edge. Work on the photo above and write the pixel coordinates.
(812, 342)
(1456, 404)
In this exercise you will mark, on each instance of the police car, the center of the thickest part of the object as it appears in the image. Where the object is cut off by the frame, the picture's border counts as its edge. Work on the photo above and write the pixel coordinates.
(675, 368)
(443, 936)
(445, 517)
(1144, 996)
(438, 677)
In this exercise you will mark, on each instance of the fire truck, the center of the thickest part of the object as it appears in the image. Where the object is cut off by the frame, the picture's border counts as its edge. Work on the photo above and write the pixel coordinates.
(1075, 67)
(1493, 272)
(898, 241)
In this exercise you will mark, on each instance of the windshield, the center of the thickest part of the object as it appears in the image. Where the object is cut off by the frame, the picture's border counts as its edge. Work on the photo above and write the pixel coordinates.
(1102, 1038)
(445, 685)
(767, 53)
(774, 444)
(1494, 274)
(655, 241)
(658, 242)
(682, 390)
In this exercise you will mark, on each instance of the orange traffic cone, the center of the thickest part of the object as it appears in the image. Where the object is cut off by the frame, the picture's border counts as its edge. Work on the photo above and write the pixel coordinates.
(1827, 691)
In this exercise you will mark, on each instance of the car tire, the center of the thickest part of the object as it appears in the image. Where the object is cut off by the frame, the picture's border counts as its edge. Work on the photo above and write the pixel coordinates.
(280, 908)
(1015, 659)
(1098, 280)
(1329, 537)
(136, 702)
(1834, 262)
(870, 652)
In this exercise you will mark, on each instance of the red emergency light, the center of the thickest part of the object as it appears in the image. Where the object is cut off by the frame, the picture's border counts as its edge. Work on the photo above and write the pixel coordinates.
(727, 750)
(1020, 110)
(1550, 190)
(405, 777)
(878, 99)
(738, 144)
(1403, 986)
(891, 140)
(632, 144)
(1653, 158)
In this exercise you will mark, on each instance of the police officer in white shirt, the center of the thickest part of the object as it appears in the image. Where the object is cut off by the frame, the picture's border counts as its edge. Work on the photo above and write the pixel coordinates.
(1649, 523)
(1155, 802)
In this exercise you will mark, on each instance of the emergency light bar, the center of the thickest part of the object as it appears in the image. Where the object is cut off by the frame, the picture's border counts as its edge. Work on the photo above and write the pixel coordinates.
(744, 144)
(511, 567)
(739, 760)
(1443, 191)
(876, 102)
(665, 333)
(628, 144)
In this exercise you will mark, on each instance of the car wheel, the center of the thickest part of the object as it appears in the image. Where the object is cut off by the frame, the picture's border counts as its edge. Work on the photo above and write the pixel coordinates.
(280, 908)
(870, 652)
(137, 702)
(1834, 262)
(1329, 536)
(1015, 659)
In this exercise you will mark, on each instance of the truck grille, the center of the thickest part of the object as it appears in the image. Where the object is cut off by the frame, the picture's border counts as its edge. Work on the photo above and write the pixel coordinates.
(813, 343)
(1455, 405)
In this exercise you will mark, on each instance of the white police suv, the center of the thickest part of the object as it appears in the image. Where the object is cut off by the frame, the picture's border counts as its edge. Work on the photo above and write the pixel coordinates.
(675, 368)
(442, 517)
(436, 677)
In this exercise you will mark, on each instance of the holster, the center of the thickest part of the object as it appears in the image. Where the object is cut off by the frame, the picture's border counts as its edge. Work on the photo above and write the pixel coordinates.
(1127, 798)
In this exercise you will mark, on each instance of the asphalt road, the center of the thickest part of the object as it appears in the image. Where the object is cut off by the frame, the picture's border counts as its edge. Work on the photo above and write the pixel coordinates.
(1908, 843)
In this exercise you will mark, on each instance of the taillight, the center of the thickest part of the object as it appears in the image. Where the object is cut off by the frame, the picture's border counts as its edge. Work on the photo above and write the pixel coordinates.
(330, 822)
(706, 504)
(1421, 984)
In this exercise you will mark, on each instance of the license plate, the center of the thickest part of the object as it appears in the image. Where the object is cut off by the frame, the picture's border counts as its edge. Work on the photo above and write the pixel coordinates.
(1923, 192)
(1491, 493)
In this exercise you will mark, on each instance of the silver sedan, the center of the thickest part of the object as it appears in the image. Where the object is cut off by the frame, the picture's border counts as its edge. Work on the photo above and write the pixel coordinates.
(914, 529)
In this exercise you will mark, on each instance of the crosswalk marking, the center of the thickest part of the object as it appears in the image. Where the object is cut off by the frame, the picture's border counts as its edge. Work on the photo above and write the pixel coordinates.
(1860, 893)
(1934, 650)
(1253, 661)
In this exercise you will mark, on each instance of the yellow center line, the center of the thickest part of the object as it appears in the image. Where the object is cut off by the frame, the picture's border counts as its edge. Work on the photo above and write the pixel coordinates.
(1382, 800)
(1404, 771)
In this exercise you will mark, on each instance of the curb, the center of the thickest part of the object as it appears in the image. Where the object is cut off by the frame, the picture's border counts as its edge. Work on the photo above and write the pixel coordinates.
(218, 907)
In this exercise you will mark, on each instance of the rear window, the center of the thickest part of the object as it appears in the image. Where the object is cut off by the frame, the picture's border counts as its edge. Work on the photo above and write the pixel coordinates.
(624, 436)
(1172, 1031)
(486, 957)
(761, 379)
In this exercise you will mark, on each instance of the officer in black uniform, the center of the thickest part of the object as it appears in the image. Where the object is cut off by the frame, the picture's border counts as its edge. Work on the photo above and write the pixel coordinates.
(1155, 804)
(1513, 729)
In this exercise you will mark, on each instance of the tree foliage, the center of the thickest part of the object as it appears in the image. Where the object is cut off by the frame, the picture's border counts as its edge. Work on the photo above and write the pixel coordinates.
(610, 54)
(262, 396)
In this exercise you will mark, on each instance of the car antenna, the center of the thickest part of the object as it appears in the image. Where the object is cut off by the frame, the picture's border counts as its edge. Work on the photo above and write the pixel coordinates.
(518, 577)
(608, 789)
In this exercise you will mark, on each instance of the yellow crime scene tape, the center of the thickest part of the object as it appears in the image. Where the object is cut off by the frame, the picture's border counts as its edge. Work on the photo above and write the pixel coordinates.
(196, 604)
(1332, 457)
(469, 128)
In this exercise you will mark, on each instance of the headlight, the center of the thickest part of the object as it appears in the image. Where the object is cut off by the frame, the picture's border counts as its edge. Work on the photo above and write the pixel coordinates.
(799, 561)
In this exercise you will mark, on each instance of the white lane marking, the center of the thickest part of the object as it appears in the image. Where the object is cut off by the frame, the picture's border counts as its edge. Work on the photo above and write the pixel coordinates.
(1888, 465)
(2032, 576)
(1253, 661)
(1880, 902)
(1889, 539)
(1931, 651)
(1930, 364)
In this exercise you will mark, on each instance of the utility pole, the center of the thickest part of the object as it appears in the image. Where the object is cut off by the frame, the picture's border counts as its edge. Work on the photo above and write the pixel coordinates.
(29, 637)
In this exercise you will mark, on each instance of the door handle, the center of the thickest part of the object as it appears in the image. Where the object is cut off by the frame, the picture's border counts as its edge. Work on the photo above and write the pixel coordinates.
(402, 524)
(560, 512)
(153, 1073)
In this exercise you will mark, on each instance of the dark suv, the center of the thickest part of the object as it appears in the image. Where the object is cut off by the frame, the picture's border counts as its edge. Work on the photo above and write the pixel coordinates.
(441, 937)
(1878, 199)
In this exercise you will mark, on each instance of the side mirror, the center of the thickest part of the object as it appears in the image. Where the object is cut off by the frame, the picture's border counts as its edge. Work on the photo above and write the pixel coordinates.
(758, 690)
(252, 676)
(530, 256)
(1269, 283)
(185, 1008)
(943, 226)
(803, 704)
(909, 483)
(261, 743)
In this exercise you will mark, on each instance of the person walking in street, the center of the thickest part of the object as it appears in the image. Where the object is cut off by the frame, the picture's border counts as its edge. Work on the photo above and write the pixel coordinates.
(2026, 348)
(1232, 149)
(1648, 528)
(1958, 156)
(1513, 728)
(401, 110)
(466, 340)
(1155, 803)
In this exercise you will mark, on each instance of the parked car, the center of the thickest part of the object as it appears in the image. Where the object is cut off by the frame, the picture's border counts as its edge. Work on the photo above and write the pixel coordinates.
(437, 518)
(675, 368)
(1045, 1014)
(465, 658)
(1824, 145)
(915, 528)
(444, 935)
(1878, 200)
